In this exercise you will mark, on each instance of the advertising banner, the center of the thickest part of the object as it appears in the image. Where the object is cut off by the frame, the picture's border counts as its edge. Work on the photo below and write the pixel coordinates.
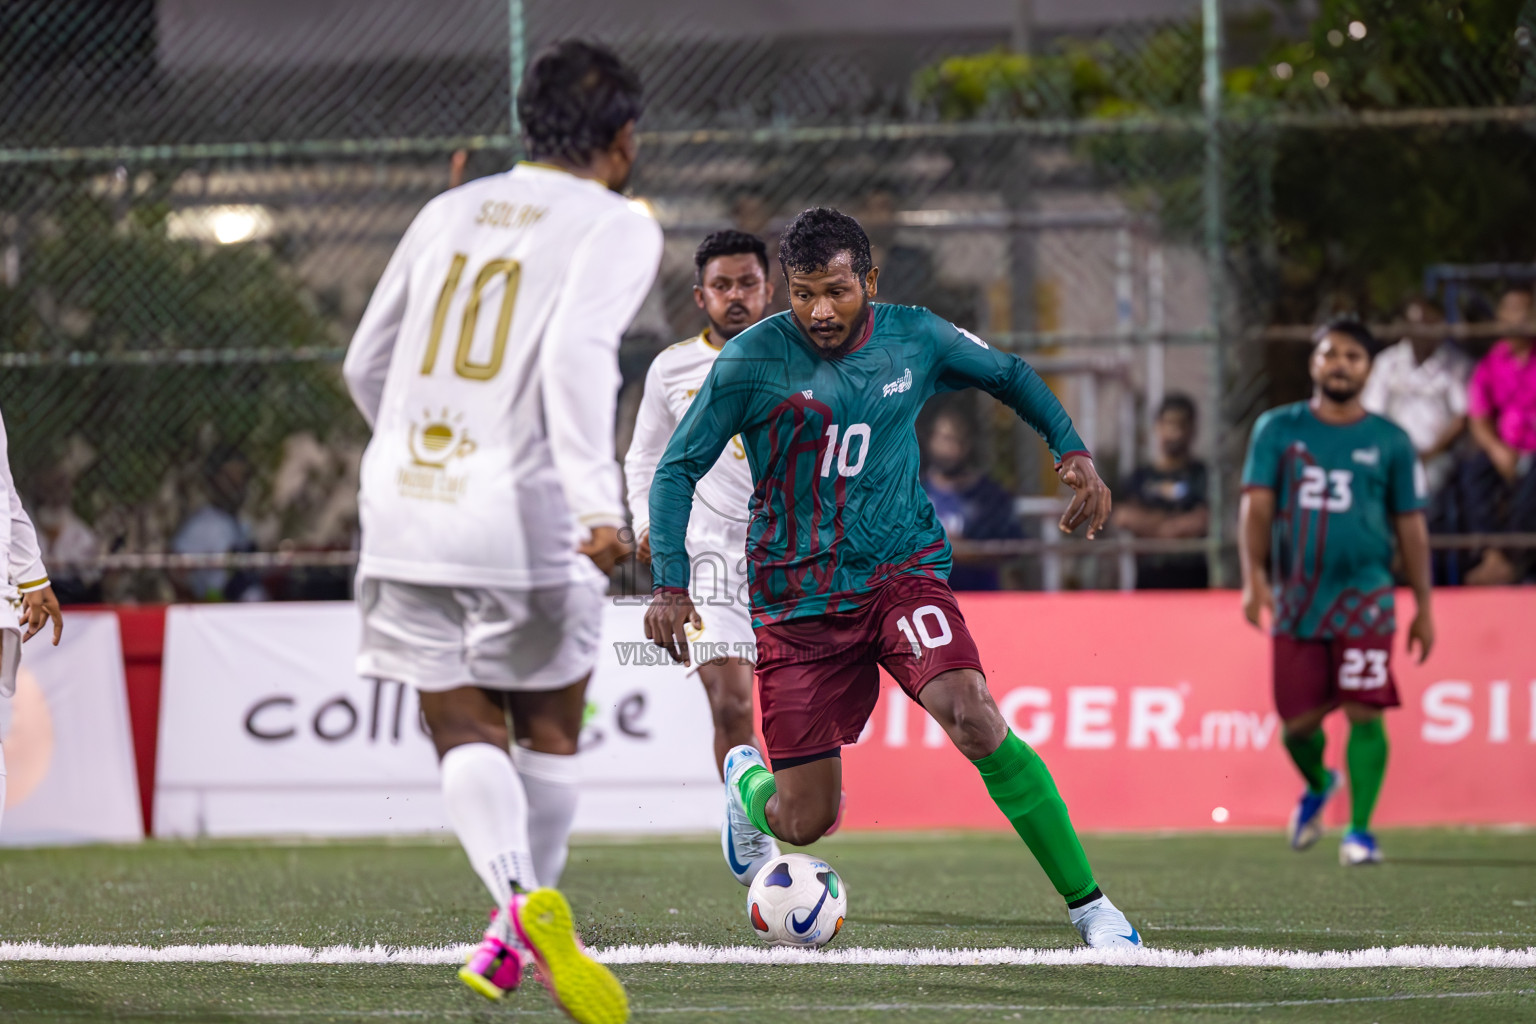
(68, 750)
(1152, 710)
(266, 729)
(1155, 711)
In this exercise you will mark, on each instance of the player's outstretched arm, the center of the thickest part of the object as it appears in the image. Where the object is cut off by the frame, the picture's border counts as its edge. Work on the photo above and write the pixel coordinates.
(717, 414)
(1255, 516)
(965, 361)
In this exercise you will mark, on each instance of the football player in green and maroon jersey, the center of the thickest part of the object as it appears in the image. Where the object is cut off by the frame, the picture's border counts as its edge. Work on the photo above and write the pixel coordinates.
(847, 562)
(1327, 488)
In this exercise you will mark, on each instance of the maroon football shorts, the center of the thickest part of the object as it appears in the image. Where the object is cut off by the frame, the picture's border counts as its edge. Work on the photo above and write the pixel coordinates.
(818, 678)
(1311, 674)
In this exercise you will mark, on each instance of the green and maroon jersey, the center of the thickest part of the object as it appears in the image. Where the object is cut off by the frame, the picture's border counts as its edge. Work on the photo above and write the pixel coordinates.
(1337, 489)
(837, 507)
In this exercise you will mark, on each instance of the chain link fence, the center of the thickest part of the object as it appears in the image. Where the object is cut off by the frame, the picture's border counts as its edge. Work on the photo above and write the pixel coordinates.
(196, 199)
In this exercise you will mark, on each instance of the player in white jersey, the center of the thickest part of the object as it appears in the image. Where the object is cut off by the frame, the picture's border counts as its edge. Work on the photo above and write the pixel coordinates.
(24, 589)
(491, 504)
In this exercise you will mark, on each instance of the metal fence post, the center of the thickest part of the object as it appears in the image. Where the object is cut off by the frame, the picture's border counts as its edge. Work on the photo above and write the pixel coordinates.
(517, 55)
(1215, 259)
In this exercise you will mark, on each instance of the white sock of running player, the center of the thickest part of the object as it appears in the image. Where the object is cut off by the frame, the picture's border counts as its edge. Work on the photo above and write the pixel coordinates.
(2, 782)
(551, 781)
(489, 813)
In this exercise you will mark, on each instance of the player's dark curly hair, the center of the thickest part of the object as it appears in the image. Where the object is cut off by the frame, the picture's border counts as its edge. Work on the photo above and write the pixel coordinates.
(815, 237)
(1350, 328)
(727, 243)
(574, 99)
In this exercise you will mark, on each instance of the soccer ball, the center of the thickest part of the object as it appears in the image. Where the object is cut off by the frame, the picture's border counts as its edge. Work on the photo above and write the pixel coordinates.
(797, 900)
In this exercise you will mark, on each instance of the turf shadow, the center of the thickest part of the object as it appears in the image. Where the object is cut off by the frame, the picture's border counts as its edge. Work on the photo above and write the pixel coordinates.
(1464, 862)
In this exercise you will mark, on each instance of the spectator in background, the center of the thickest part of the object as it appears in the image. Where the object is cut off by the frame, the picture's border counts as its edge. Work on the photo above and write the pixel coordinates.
(1168, 500)
(66, 543)
(216, 528)
(1421, 385)
(1499, 486)
(970, 504)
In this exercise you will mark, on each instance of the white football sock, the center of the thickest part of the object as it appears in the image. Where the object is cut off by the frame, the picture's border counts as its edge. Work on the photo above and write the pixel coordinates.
(551, 782)
(489, 813)
(2, 781)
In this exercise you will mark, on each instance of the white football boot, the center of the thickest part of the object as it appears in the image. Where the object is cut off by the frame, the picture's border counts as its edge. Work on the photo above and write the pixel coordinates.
(1103, 926)
(1359, 848)
(746, 847)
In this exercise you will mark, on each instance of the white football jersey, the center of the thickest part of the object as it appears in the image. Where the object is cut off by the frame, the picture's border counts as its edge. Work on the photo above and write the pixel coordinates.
(487, 365)
(675, 376)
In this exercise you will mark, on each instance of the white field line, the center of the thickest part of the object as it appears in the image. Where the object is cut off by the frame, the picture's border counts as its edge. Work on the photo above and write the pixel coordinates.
(679, 953)
(227, 1013)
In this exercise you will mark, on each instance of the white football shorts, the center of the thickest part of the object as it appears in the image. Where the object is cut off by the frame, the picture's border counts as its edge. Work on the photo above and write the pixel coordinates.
(439, 638)
(10, 659)
(717, 552)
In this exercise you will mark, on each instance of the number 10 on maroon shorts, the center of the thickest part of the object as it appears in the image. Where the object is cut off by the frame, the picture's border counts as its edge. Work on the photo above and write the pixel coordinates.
(1311, 674)
(818, 678)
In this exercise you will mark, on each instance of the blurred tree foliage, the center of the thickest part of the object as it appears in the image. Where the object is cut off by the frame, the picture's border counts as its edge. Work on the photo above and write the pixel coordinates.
(100, 275)
(1341, 214)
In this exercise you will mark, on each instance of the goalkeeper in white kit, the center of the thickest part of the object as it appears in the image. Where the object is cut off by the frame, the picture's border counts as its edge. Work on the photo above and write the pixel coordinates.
(24, 592)
(491, 504)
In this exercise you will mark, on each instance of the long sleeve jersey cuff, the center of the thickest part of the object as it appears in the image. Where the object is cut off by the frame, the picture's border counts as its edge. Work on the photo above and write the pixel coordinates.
(593, 520)
(35, 578)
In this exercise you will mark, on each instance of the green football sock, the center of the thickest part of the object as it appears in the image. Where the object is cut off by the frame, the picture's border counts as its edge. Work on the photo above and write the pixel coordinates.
(1021, 786)
(1307, 752)
(1366, 754)
(756, 786)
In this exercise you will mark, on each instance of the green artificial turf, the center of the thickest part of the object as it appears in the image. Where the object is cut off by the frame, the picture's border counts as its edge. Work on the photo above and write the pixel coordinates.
(959, 890)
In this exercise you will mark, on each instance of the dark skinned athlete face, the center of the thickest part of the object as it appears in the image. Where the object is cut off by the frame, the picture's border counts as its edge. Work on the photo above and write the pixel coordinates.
(830, 303)
(1340, 366)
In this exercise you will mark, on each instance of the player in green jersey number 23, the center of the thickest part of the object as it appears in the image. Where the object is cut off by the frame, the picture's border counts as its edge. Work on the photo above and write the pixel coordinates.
(848, 564)
(1326, 488)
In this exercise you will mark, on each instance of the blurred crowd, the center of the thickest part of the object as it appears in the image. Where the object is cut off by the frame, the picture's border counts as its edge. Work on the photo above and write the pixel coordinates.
(1470, 409)
(1472, 420)
(220, 504)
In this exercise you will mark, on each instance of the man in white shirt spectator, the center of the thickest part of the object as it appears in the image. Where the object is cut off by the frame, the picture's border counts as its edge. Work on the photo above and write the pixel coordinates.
(1421, 385)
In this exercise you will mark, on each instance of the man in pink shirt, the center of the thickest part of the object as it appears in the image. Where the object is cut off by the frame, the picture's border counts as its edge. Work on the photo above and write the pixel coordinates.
(1499, 484)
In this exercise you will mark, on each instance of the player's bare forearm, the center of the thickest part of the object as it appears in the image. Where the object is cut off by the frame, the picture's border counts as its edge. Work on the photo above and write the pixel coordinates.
(1413, 542)
(1255, 516)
